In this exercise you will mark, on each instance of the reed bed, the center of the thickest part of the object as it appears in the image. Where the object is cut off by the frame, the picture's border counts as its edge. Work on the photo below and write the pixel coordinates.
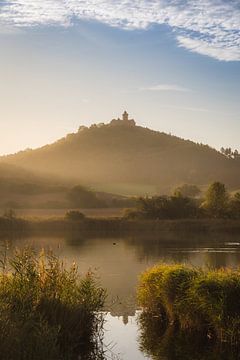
(48, 311)
(196, 301)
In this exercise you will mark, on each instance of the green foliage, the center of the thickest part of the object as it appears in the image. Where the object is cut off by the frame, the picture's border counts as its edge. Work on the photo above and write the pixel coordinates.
(216, 202)
(46, 310)
(74, 215)
(206, 302)
(81, 197)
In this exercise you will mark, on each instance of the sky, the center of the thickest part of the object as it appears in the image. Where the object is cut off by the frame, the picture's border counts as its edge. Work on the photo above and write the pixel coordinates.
(173, 65)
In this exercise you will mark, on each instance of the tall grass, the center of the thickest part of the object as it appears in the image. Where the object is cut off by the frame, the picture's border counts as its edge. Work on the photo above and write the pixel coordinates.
(159, 341)
(196, 301)
(47, 311)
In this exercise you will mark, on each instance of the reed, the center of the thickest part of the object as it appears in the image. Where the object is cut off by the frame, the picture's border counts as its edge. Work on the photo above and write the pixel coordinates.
(48, 311)
(200, 301)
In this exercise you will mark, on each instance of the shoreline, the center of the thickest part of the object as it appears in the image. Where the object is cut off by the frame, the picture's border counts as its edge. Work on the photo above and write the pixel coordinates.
(116, 225)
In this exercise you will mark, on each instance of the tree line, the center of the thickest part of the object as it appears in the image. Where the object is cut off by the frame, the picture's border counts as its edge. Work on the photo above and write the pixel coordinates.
(217, 203)
(228, 152)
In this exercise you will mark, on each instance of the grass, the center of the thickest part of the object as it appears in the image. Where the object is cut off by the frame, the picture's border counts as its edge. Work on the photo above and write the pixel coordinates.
(48, 311)
(195, 301)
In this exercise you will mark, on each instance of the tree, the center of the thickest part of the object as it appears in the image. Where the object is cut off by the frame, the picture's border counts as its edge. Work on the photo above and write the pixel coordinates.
(235, 206)
(228, 152)
(236, 154)
(216, 201)
(164, 207)
(188, 190)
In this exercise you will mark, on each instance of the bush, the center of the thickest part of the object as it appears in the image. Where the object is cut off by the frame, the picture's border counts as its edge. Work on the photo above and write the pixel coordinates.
(195, 300)
(217, 204)
(164, 207)
(47, 311)
(74, 215)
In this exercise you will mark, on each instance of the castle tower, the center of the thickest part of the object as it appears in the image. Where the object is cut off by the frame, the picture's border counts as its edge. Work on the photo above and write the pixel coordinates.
(125, 116)
(124, 122)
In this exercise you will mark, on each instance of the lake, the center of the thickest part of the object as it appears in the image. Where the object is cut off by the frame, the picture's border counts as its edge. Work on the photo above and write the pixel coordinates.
(118, 261)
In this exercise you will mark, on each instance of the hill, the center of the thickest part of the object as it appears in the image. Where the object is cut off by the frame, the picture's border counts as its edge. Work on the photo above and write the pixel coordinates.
(20, 188)
(129, 159)
(24, 188)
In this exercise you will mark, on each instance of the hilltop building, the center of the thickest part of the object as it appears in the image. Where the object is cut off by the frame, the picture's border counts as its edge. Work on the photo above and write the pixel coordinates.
(125, 121)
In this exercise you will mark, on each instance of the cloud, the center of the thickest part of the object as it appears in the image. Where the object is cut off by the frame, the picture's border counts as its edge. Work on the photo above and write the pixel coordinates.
(207, 27)
(165, 87)
(203, 47)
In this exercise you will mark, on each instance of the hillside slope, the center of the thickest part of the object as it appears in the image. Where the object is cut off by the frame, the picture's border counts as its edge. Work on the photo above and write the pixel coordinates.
(109, 156)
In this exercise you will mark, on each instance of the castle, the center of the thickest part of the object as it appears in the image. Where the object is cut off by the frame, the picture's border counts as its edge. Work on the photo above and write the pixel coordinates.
(125, 121)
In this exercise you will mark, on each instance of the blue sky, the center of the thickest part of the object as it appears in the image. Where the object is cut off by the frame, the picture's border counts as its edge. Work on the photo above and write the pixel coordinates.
(174, 65)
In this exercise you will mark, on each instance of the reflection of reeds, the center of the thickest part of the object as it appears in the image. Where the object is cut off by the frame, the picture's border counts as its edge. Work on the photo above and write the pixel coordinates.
(160, 341)
(47, 311)
(206, 302)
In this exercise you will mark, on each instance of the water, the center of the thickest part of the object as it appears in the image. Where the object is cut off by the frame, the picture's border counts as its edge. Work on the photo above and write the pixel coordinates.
(118, 261)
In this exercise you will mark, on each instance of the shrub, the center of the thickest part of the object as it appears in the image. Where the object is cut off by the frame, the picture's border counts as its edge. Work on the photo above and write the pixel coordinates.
(195, 300)
(74, 215)
(46, 310)
(164, 207)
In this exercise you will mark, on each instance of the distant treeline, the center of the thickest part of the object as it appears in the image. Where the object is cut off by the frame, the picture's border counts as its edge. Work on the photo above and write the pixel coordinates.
(217, 203)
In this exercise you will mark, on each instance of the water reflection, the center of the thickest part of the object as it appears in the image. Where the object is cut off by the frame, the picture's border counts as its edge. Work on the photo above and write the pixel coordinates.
(158, 342)
(118, 261)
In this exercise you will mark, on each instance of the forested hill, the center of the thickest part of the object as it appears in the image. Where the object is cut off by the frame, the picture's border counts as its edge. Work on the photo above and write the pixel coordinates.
(122, 158)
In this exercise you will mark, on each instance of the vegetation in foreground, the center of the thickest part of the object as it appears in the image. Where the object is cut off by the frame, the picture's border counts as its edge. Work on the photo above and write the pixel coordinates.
(205, 303)
(47, 311)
